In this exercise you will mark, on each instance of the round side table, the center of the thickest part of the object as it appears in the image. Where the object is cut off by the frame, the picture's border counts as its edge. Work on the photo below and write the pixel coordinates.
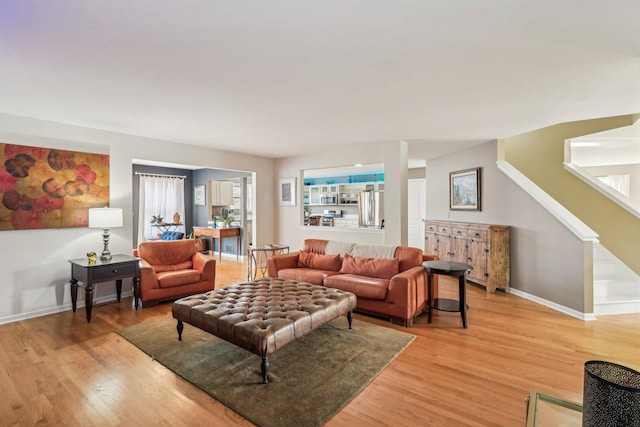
(448, 268)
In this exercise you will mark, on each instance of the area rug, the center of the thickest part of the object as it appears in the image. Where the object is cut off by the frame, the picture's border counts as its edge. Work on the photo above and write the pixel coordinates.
(310, 380)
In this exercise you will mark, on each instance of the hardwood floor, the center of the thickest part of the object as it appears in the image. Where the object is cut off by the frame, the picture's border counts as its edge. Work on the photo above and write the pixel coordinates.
(58, 369)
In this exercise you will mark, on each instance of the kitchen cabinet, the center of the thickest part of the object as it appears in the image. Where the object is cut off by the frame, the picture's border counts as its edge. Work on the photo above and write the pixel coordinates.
(221, 193)
(483, 246)
(346, 222)
(348, 193)
(315, 195)
(236, 202)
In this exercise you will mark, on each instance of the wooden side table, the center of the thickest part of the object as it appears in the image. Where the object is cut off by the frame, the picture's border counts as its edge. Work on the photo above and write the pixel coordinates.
(118, 268)
(454, 269)
(260, 262)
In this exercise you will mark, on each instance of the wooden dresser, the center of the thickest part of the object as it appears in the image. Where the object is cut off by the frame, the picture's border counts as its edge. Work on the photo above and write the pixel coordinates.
(483, 246)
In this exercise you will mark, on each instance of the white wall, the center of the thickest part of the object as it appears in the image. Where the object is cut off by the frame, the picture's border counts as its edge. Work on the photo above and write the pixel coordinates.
(34, 268)
(290, 217)
(547, 260)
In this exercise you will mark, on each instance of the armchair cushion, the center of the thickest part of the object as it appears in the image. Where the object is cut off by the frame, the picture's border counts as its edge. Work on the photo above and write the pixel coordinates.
(159, 268)
(173, 268)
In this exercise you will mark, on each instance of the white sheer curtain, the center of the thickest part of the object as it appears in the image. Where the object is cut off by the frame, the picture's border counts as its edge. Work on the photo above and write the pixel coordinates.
(159, 195)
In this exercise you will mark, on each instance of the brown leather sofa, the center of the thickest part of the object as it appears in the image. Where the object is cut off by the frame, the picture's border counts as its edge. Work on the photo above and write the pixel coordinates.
(173, 268)
(393, 285)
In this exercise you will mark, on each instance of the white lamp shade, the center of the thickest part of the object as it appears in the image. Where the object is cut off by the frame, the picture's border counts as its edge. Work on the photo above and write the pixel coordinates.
(105, 218)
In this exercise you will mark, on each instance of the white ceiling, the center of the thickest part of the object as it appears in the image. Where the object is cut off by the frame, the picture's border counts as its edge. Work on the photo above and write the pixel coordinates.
(276, 78)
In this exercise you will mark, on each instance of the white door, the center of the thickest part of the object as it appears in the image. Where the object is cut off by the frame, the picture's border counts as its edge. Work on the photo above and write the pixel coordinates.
(417, 212)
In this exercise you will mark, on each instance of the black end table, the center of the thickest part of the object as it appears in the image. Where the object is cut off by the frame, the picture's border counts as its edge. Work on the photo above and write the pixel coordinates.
(448, 268)
(89, 273)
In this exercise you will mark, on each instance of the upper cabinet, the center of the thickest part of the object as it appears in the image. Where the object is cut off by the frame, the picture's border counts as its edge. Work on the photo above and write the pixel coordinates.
(341, 185)
(337, 194)
(221, 193)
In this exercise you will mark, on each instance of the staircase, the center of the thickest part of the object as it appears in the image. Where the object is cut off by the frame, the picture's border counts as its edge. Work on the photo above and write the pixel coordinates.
(616, 288)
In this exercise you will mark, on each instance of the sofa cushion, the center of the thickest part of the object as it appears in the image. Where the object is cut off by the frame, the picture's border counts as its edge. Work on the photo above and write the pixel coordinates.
(169, 279)
(172, 235)
(319, 261)
(384, 268)
(362, 286)
(309, 275)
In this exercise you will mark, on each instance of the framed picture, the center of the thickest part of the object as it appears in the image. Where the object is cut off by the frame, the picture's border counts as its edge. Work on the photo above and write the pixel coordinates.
(464, 190)
(199, 195)
(287, 191)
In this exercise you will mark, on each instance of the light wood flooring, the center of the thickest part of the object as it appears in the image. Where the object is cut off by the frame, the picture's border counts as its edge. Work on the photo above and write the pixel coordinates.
(60, 370)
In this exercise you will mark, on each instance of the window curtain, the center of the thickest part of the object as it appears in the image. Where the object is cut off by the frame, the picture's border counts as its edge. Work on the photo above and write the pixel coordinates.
(159, 195)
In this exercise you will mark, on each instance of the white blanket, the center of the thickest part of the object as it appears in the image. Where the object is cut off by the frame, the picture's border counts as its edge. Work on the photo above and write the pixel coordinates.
(336, 247)
(373, 251)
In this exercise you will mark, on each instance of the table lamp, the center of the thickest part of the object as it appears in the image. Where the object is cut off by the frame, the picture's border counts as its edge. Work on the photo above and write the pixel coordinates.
(105, 218)
(611, 395)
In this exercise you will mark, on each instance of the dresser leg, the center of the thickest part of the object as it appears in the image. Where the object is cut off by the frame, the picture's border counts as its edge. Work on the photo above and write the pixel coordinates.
(88, 300)
(136, 291)
(463, 299)
(74, 294)
(119, 288)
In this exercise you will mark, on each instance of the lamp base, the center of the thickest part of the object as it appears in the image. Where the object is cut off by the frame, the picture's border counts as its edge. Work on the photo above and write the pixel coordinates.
(106, 253)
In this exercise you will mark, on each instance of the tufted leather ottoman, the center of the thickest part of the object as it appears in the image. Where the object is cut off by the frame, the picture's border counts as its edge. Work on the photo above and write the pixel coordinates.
(265, 315)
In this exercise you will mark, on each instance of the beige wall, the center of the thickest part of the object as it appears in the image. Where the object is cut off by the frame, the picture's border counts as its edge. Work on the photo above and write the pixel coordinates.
(540, 154)
(394, 157)
(547, 259)
(34, 268)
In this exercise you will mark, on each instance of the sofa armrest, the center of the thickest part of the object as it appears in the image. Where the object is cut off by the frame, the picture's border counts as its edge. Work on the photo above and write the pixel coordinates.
(148, 278)
(408, 289)
(206, 265)
(279, 262)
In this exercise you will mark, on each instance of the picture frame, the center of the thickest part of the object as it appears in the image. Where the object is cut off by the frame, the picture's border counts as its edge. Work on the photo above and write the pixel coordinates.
(464, 190)
(199, 195)
(287, 191)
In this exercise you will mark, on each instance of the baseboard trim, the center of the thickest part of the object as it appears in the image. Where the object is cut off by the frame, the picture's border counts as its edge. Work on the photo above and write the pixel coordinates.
(566, 310)
(61, 308)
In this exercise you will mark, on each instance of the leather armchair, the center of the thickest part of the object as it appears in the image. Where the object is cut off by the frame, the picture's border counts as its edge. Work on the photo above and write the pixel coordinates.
(172, 269)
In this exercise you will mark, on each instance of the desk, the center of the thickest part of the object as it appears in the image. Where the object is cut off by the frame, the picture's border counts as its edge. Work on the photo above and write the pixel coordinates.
(454, 269)
(219, 233)
(118, 268)
(263, 255)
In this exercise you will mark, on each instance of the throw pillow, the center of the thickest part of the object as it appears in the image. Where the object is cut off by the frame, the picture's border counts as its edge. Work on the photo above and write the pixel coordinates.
(319, 261)
(383, 268)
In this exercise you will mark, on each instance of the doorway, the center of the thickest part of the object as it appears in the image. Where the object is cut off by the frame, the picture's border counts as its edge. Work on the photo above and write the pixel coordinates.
(416, 212)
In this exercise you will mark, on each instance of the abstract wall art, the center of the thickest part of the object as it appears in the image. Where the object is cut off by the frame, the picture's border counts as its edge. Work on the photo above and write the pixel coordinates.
(50, 188)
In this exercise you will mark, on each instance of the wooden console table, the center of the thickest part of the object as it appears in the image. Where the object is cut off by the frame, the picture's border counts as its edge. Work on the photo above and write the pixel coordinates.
(219, 233)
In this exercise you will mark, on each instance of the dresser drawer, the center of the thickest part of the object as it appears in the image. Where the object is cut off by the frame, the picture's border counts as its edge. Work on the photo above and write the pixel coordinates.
(444, 228)
(478, 234)
(431, 226)
(459, 231)
(104, 273)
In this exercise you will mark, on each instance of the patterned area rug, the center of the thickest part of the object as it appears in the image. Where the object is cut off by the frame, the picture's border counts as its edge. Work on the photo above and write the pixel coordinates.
(310, 380)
